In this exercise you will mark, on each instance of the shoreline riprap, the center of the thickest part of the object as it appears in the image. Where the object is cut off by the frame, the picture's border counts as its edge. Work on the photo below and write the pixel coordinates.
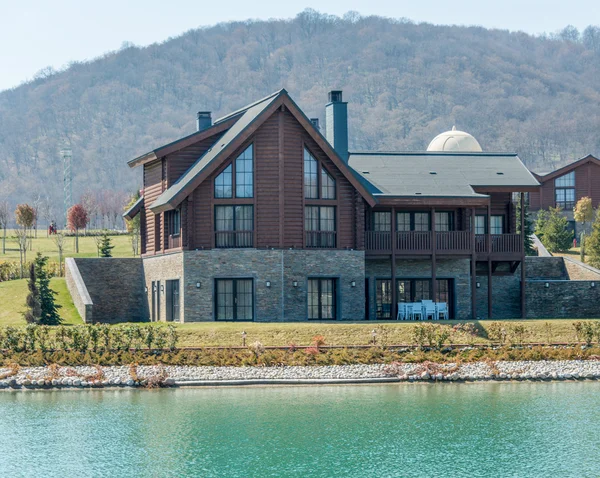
(81, 377)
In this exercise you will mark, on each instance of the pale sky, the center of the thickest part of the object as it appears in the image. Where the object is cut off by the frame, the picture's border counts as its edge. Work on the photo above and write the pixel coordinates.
(39, 33)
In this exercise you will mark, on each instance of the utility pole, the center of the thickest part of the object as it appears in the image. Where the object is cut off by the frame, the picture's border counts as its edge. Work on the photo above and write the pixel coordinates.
(66, 154)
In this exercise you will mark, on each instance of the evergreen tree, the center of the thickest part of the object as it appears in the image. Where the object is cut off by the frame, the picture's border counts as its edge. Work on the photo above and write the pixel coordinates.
(593, 242)
(106, 245)
(49, 310)
(556, 234)
(34, 310)
(529, 249)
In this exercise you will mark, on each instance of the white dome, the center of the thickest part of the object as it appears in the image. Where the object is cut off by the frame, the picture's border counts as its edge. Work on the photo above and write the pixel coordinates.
(456, 141)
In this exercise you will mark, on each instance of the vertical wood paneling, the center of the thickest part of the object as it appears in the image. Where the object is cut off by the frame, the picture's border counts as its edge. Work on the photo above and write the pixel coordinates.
(152, 189)
(179, 162)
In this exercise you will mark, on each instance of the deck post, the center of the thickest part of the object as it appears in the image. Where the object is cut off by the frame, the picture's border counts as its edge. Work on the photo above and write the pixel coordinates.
(473, 268)
(489, 261)
(393, 310)
(433, 257)
(523, 311)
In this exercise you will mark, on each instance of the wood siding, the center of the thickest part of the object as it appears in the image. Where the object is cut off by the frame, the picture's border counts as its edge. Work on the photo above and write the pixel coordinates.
(279, 190)
(152, 189)
(587, 183)
(179, 162)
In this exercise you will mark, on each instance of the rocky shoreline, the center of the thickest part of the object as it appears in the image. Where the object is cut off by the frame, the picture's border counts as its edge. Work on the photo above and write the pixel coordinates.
(81, 377)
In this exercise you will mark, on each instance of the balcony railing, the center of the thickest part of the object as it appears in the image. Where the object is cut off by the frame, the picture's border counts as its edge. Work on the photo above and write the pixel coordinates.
(321, 239)
(452, 242)
(234, 239)
(501, 243)
(174, 241)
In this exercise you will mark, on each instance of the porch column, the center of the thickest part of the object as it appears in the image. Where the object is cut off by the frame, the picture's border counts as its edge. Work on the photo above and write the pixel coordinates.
(473, 268)
(433, 258)
(523, 311)
(489, 261)
(394, 311)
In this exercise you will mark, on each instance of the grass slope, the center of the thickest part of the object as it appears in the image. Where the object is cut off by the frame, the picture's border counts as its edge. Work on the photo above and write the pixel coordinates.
(45, 245)
(12, 302)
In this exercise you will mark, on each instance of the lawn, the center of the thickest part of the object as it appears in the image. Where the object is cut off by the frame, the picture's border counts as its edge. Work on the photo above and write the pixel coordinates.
(45, 245)
(12, 302)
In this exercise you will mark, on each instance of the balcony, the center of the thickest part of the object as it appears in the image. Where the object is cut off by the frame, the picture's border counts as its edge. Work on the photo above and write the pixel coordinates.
(234, 239)
(447, 242)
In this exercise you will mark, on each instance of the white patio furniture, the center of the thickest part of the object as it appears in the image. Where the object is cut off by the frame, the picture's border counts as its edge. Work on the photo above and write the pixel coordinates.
(441, 309)
(428, 310)
(416, 311)
(401, 311)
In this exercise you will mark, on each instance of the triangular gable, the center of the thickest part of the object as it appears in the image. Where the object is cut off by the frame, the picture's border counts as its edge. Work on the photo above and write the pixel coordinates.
(568, 168)
(134, 209)
(250, 119)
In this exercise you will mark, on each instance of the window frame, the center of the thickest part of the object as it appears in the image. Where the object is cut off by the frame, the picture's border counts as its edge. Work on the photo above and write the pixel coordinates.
(412, 221)
(234, 223)
(234, 301)
(319, 294)
(564, 185)
(233, 164)
(320, 171)
(323, 239)
(171, 221)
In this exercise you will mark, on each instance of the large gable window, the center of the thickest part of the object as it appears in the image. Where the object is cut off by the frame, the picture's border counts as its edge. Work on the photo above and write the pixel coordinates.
(318, 183)
(564, 190)
(242, 170)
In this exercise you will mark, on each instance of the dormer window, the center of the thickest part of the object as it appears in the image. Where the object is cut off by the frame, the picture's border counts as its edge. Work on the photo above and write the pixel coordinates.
(564, 190)
(318, 183)
(242, 169)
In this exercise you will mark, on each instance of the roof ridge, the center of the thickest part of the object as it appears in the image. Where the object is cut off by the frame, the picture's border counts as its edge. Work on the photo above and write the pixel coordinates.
(247, 107)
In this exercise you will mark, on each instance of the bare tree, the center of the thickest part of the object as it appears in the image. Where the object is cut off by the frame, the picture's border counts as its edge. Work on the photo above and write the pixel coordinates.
(22, 240)
(59, 241)
(37, 204)
(97, 235)
(47, 212)
(4, 215)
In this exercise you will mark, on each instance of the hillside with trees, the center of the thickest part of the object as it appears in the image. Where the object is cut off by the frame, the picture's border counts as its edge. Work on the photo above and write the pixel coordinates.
(405, 83)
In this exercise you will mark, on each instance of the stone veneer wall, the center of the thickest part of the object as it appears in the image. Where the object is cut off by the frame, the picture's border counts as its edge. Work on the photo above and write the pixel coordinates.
(506, 296)
(562, 299)
(281, 301)
(79, 293)
(115, 287)
(162, 268)
(457, 269)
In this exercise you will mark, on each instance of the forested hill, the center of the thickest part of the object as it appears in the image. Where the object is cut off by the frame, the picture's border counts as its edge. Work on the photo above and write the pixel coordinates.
(405, 83)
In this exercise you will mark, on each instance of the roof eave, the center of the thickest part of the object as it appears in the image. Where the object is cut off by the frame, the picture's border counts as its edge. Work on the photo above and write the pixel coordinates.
(143, 159)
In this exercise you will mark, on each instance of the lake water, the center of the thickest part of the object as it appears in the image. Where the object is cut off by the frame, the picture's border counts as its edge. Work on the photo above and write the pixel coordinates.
(413, 430)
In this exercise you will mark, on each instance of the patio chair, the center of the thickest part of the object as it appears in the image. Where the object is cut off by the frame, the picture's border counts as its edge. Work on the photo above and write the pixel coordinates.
(442, 309)
(416, 311)
(401, 311)
(429, 310)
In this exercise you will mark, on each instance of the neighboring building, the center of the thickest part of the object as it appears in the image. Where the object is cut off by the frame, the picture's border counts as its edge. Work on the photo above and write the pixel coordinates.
(565, 186)
(258, 216)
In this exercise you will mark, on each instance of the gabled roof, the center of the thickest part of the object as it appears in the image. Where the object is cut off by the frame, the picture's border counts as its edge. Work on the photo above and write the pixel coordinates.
(441, 174)
(135, 208)
(245, 122)
(568, 168)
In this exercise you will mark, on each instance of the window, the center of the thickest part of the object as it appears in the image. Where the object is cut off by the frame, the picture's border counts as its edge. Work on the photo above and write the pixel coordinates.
(497, 225)
(244, 174)
(564, 189)
(412, 221)
(421, 290)
(443, 221)
(383, 299)
(327, 185)
(312, 186)
(234, 226)
(234, 299)
(319, 224)
(322, 299)
(382, 221)
(311, 177)
(480, 225)
(174, 222)
(173, 300)
(244, 177)
(223, 183)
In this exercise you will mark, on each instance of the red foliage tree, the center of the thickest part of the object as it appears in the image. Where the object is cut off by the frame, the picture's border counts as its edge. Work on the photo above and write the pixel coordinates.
(77, 218)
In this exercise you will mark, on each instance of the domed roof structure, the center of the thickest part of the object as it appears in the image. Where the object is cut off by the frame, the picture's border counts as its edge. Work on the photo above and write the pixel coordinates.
(455, 141)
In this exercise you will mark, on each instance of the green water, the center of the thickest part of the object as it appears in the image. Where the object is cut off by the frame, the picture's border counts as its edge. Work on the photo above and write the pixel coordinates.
(487, 430)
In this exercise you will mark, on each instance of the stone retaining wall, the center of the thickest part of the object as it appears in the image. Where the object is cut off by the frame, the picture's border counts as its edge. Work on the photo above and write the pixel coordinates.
(79, 293)
(115, 287)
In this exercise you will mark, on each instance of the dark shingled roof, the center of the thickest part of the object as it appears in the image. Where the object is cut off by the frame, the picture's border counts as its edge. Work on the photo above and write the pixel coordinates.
(439, 174)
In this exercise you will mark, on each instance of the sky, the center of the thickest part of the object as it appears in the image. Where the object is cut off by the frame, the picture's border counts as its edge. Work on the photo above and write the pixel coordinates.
(39, 33)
